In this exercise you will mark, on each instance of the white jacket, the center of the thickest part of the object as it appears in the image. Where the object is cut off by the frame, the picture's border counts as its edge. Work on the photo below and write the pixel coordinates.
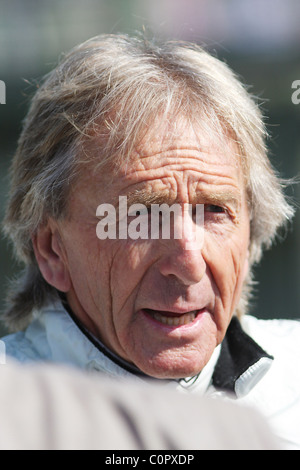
(257, 363)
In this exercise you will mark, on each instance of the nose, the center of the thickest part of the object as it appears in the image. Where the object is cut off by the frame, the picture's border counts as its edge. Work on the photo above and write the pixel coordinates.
(183, 257)
(188, 267)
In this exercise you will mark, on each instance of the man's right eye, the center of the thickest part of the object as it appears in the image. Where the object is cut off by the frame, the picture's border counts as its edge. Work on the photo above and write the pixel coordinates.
(214, 209)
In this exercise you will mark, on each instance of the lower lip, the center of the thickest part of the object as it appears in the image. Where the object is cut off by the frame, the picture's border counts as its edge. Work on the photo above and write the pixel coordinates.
(169, 328)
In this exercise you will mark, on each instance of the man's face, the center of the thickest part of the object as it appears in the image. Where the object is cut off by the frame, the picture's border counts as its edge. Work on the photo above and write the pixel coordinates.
(153, 302)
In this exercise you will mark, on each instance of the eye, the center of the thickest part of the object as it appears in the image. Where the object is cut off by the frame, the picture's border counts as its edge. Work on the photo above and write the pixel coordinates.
(214, 209)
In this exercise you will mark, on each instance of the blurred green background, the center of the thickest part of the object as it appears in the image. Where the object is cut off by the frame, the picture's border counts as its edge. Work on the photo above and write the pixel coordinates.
(259, 39)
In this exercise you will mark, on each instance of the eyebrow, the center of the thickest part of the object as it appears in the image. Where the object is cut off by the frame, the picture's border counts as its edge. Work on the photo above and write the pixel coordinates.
(221, 198)
(146, 197)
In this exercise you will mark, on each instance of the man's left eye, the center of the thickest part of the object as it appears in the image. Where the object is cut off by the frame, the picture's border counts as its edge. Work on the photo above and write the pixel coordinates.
(215, 209)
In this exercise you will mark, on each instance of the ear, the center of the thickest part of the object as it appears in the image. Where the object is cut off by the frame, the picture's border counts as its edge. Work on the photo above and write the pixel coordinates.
(51, 257)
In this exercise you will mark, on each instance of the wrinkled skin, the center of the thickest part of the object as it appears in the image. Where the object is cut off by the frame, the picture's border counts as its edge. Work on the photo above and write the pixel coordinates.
(115, 286)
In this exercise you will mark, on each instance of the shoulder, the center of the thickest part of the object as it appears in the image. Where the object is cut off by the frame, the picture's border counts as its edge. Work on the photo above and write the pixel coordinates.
(277, 395)
(274, 335)
(19, 347)
(32, 344)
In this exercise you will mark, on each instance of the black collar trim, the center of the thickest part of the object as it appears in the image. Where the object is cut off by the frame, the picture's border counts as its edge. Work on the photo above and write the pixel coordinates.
(238, 352)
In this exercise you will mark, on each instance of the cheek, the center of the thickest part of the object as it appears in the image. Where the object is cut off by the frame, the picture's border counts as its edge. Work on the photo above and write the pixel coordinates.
(84, 285)
(89, 269)
(130, 262)
(227, 262)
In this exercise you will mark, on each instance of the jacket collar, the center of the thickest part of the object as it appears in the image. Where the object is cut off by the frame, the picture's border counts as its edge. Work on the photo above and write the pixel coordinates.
(241, 364)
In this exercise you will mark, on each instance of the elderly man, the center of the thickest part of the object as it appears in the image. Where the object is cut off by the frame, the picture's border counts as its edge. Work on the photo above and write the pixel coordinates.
(128, 125)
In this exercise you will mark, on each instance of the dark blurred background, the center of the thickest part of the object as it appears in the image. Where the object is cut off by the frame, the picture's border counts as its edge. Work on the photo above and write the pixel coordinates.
(259, 39)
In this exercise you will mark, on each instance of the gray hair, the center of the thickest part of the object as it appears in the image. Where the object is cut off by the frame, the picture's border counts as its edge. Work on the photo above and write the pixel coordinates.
(112, 87)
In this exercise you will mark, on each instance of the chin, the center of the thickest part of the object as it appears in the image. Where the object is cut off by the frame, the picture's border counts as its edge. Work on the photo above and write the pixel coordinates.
(165, 367)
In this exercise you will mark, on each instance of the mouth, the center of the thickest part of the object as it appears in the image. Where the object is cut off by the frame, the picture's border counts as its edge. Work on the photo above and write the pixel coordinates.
(172, 318)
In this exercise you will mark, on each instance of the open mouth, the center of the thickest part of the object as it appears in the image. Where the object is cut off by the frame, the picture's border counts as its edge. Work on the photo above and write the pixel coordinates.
(173, 319)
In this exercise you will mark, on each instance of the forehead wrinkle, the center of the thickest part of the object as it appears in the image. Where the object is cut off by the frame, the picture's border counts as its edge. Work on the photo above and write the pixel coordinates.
(176, 150)
(173, 157)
